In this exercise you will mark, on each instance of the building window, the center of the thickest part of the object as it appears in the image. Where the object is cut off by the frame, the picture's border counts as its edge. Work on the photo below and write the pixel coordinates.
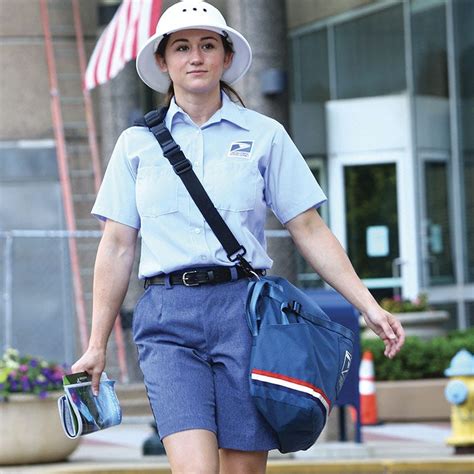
(470, 315)
(440, 260)
(313, 67)
(370, 55)
(452, 322)
(464, 42)
(430, 64)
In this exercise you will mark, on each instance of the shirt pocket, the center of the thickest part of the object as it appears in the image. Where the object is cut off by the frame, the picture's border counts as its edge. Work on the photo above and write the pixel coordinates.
(157, 191)
(232, 185)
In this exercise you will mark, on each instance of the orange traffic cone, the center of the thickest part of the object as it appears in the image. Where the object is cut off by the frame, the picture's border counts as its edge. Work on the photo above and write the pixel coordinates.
(368, 398)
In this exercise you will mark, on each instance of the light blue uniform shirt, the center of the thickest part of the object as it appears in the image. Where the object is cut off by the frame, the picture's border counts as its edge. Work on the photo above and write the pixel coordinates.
(246, 162)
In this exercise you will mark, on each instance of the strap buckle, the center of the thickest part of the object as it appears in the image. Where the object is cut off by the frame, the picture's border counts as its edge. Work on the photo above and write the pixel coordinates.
(237, 255)
(292, 306)
(248, 269)
(182, 166)
(185, 280)
(170, 148)
(154, 117)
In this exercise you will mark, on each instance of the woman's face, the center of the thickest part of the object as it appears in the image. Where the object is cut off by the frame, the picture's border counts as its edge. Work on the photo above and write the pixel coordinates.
(195, 61)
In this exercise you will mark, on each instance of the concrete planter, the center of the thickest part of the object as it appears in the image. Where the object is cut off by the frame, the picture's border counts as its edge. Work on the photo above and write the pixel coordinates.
(30, 431)
(412, 400)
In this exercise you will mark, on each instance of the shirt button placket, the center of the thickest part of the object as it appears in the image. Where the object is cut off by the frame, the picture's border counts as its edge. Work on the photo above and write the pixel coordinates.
(198, 166)
(198, 154)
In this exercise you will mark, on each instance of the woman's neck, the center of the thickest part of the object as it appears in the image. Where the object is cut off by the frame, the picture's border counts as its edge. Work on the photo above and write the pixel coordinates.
(199, 107)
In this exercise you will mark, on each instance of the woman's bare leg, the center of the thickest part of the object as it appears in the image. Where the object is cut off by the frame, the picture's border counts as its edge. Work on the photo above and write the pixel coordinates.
(192, 452)
(233, 461)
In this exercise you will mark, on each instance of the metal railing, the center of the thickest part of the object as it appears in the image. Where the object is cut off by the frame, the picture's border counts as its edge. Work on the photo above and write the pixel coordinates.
(39, 307)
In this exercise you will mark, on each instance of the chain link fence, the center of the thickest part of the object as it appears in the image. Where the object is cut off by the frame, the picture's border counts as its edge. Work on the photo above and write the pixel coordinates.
(38, 308)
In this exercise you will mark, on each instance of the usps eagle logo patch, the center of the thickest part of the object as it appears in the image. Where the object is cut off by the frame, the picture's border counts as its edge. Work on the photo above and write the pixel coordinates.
(240, 149)
(346, 365)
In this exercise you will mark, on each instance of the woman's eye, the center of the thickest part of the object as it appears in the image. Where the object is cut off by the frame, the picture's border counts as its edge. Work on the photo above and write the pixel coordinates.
(208, 46)
(182, 48)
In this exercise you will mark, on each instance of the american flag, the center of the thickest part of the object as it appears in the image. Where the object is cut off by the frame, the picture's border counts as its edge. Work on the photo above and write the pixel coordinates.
(133, 23)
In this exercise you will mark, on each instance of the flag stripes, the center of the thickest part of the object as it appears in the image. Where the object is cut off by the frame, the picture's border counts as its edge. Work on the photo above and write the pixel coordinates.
(133, 23)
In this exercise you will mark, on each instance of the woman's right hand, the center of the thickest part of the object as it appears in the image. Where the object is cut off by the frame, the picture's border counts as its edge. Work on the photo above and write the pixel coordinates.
(92, 362)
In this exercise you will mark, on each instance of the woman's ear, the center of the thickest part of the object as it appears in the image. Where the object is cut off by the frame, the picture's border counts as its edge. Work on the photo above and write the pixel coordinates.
(228, 59)
(160, 60)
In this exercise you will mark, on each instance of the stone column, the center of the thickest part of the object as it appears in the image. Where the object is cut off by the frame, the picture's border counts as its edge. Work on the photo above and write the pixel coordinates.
(119, 101)
(263, 23)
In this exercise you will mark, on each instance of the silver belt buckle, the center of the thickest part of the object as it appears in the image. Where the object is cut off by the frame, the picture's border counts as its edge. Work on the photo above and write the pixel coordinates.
(185, 281)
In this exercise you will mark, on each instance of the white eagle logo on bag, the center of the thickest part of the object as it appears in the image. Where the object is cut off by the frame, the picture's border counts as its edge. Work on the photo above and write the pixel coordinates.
(346, 365)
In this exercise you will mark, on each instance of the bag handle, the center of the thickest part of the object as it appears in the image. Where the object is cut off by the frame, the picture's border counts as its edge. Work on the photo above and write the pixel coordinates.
(154, 120)
(254, 294)
(268, 289)
(260, 289)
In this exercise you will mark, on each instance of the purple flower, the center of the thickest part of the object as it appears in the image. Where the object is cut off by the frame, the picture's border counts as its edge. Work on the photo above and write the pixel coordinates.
(31, 375)
(11, 378)
(12, 375)
(57, 375)
(47, 373)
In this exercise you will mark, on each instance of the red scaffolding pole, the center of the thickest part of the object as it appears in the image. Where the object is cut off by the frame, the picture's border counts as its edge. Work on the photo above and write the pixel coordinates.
(58, 128)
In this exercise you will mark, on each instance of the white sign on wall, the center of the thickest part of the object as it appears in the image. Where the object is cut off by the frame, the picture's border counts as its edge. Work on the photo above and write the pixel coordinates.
(377, 241)
(436, 238)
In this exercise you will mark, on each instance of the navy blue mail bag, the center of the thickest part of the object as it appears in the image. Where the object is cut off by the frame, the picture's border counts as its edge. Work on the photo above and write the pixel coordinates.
(299, 361)
(299, 357)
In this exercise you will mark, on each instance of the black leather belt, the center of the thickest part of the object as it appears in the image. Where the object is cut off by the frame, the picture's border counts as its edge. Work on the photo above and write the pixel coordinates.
(199, 276)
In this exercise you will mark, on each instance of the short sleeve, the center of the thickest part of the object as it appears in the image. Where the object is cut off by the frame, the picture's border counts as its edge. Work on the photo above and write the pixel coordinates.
(116, 197)
(290, 187)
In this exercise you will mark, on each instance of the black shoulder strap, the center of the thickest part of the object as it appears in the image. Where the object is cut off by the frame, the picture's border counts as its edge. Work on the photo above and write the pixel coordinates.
(154, 120)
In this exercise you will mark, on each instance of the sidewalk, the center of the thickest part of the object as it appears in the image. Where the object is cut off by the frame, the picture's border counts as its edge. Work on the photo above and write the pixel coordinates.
(420, 444)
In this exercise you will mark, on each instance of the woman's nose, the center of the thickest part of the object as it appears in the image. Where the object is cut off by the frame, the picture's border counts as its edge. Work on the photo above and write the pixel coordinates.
(196, 56)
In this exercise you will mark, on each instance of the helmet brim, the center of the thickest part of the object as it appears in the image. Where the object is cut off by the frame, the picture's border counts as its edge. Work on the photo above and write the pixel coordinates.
(153, 77)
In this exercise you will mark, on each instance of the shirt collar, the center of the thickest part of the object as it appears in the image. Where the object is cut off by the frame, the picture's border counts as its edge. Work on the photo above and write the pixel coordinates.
(229, 111)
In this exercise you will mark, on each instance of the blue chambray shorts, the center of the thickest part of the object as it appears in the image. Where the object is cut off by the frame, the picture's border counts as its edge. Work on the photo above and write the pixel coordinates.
(194, 348)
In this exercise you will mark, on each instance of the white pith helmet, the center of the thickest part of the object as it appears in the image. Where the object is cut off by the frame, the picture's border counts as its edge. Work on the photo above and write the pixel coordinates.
(191, 14)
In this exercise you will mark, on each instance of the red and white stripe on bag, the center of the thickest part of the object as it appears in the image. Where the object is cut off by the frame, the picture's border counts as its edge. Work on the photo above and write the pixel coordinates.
(292, 383)
(133, 23)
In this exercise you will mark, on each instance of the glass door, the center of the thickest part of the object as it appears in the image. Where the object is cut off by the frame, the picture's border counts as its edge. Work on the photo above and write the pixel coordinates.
(373, 214)
(371, 225)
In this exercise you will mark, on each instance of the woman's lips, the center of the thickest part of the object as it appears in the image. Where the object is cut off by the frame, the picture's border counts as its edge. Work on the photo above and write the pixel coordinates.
(197, 72)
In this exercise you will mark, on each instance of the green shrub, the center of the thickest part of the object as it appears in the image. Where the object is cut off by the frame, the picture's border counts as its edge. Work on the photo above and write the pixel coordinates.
(419, 358)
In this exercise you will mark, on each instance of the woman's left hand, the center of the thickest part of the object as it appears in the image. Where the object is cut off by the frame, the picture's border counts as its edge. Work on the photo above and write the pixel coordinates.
(387, 327)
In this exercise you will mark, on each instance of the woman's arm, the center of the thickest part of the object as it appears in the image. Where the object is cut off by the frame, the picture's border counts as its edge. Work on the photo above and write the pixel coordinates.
(318, 245)
(113, 265)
